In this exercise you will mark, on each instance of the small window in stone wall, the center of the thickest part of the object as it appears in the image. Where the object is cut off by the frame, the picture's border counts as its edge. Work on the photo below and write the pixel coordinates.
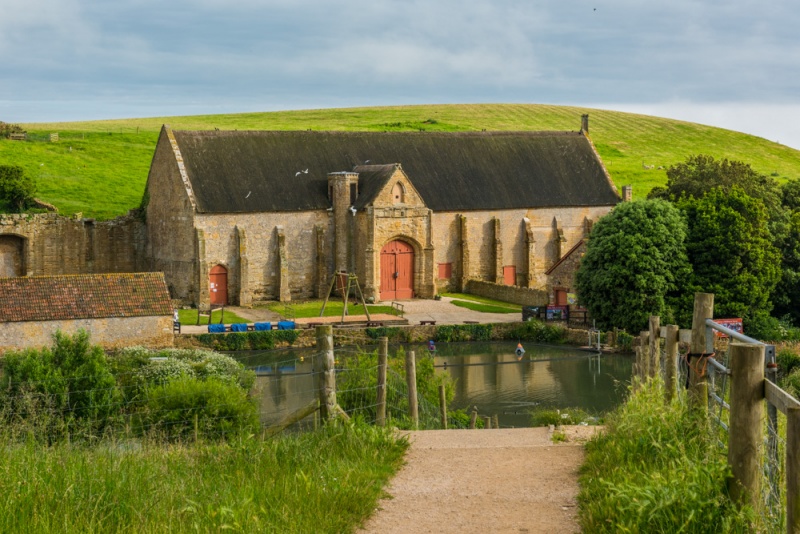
(398, 193)
(445, 271)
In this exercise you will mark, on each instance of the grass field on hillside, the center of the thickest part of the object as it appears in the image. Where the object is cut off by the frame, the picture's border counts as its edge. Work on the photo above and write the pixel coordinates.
(100, 168)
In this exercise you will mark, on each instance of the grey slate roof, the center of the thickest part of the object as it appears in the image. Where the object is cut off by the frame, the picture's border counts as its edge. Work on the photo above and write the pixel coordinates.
(255, 171)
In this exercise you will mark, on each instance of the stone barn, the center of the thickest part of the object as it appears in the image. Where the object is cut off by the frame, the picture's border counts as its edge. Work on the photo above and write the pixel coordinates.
(245, 217)
(118, 310)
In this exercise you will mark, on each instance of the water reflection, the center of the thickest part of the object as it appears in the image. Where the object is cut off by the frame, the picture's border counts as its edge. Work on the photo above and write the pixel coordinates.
(487, 375)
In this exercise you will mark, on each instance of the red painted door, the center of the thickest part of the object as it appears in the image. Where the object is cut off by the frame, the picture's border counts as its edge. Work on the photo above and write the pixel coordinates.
(218, 285)
(561, 297)
(397, 271)
(510, 275)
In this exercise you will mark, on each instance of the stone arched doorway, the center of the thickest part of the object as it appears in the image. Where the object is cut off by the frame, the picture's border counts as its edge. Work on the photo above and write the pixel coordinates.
(397, 270)
(12, 256)
(218, 285)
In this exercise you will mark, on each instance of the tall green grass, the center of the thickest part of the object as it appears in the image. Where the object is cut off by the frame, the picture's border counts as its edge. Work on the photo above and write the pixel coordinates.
(658, 469)
(323, 481)
(100, 167)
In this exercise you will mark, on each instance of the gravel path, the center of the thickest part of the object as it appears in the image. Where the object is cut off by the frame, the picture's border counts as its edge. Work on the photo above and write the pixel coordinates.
(506, 480)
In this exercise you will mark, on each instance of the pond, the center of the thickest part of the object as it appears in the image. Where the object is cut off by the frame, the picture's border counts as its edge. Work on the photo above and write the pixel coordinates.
(488, 375)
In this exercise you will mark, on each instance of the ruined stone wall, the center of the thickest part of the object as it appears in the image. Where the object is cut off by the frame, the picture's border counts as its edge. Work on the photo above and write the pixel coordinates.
(49, 244)
(111, 333)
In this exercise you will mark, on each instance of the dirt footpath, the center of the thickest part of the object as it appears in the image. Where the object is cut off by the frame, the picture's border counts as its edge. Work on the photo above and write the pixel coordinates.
(507, 480)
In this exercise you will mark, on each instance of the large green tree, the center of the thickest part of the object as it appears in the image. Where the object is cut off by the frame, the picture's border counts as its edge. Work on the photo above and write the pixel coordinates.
(731, 250)
(634, 265)
(701, 173)
(16, 188)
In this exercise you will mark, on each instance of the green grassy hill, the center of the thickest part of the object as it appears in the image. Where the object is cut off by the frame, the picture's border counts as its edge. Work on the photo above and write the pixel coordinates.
(100, 168)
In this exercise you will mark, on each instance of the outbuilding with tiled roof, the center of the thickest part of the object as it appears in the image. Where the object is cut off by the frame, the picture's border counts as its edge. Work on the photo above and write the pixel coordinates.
(118, 309)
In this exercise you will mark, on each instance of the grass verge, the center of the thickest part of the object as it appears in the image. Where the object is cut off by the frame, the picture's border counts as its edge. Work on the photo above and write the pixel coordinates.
(482, 304)
(324, 481)
(189, 317)
(311, 308)
(657, 469)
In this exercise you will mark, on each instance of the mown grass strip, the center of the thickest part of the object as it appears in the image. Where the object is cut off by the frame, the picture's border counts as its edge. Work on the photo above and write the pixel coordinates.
(189, 317)
(333, 308)
(482, 304)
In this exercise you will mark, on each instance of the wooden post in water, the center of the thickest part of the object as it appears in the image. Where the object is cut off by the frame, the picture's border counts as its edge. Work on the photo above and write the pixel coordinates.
(487, 423)
(701, 344)
(473, 418)
(443, 406)
(383, 355)
(746, 422)
(326, 372)
(655, 348)
(495, 421)
(411, 381)
(671, 361)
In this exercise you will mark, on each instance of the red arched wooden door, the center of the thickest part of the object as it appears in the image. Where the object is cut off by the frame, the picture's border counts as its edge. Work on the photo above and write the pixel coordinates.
(218, 285)
(397, 271)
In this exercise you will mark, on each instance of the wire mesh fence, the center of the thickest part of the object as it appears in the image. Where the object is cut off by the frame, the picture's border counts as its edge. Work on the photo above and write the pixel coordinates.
(715, 367)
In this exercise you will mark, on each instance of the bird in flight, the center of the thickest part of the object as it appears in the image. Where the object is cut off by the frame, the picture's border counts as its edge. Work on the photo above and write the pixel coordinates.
(301, 172)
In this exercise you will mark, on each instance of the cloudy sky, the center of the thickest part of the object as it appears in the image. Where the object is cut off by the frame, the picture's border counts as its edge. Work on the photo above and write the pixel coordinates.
(729, 63)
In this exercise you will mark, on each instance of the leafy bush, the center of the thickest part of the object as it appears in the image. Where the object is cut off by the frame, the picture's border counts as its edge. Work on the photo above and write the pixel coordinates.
(261, 340)
(624, 341)
(16, 188)
(464, 332)
(212, 408)
(792, 384)
(74, 375)
(760, 325)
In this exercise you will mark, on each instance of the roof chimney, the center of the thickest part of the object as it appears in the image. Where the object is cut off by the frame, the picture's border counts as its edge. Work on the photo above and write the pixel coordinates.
(627, 193)
(585, 123)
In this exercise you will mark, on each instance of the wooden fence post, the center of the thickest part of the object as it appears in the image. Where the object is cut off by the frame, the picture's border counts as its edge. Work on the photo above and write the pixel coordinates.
(443, 406)
(325, 368)
(644, 343)
(487, 422)
(655, 346)
(473, 418)
(698, 387)
(495, 421)
(411, 381)
(746, 422)
(793, 470)
(671, 361)
(383, 356)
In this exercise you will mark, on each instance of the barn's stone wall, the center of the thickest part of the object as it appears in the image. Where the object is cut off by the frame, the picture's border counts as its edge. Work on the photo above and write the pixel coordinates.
(110, 333)
(531, 240)
(172, 243)
(49, 244)
(262, 256)
(518, 295)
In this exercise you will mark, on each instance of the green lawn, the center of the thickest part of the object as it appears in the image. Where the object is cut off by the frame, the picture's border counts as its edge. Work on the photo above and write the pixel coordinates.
(100, 168)
(311, 308)
(189, 317)
(482, 304)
